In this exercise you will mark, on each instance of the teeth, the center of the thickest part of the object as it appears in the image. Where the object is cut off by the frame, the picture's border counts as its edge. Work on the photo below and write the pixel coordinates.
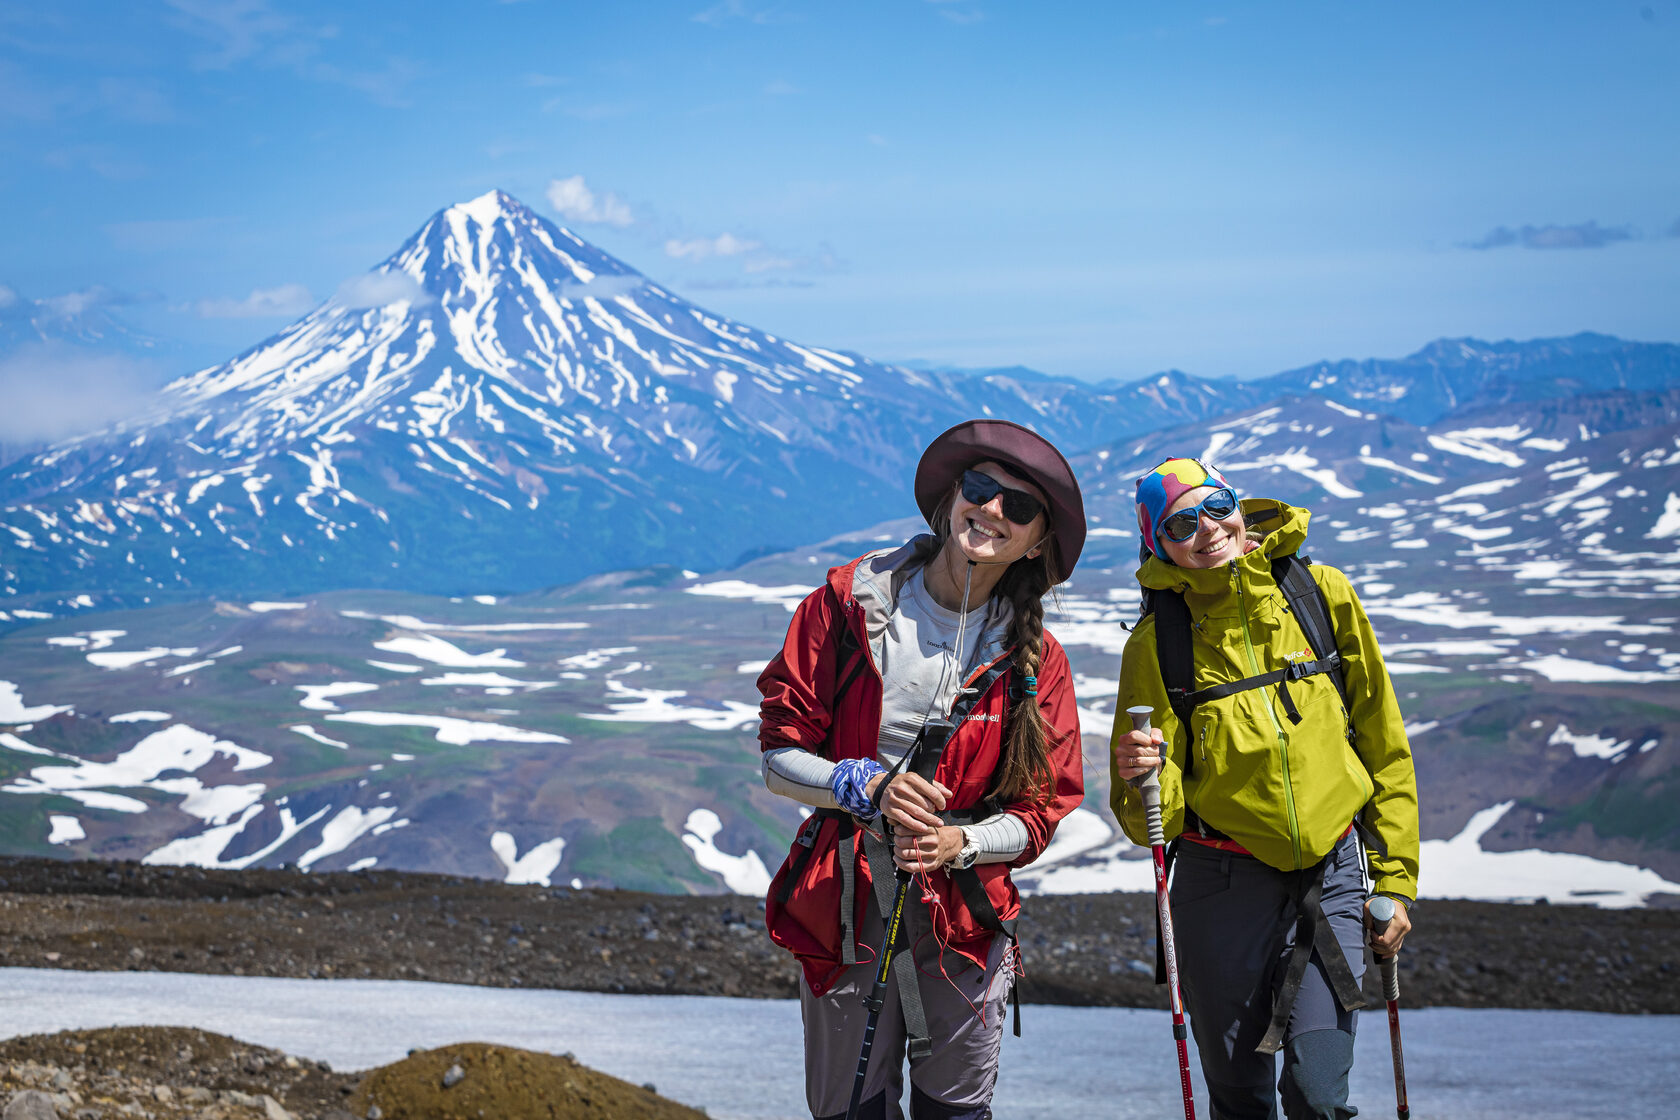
(983, 530)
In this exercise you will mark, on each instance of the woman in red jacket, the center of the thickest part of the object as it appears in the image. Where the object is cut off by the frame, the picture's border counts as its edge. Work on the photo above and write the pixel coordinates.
(948, 626)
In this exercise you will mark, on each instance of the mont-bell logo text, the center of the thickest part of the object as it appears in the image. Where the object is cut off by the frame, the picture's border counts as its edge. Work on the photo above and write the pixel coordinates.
(983, 717)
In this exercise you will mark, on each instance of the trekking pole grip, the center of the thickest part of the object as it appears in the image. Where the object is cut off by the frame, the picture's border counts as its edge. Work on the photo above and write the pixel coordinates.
(1381, 910)
(1149, 784)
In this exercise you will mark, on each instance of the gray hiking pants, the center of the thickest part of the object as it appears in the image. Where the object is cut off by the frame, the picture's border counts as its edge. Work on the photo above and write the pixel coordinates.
(1234, 918)
(965, 1016)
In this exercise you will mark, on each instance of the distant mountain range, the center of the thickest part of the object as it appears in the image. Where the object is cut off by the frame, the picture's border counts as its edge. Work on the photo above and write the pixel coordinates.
(500, 404)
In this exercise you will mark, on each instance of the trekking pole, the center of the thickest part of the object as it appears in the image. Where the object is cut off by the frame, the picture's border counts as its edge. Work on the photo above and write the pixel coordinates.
(1381, 909)
(1149, 786)
(934, 734)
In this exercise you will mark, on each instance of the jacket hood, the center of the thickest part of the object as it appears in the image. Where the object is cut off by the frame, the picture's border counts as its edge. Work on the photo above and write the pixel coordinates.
(1285, 531)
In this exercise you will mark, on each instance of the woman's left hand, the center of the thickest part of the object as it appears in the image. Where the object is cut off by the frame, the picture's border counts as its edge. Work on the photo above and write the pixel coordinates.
(928, 851)
(1389, 943)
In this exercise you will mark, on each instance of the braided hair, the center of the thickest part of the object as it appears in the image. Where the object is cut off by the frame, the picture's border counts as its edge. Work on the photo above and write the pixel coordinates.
(1024, 771)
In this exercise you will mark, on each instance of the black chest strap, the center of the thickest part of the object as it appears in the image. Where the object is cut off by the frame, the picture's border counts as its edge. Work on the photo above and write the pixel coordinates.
(1176, 656)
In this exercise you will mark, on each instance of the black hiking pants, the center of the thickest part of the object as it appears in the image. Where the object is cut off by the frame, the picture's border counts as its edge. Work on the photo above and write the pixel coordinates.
(1234, 918)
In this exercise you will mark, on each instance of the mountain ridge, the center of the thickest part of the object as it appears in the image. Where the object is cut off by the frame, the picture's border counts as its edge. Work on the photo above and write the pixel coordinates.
(499, 402)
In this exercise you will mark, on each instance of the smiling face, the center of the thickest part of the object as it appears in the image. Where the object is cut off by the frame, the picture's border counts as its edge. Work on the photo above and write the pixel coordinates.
(1215, 542)
(984, 534)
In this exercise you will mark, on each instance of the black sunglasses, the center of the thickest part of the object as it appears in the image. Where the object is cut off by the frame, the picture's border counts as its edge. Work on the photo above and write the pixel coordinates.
(1018, 505)
(1182, 525)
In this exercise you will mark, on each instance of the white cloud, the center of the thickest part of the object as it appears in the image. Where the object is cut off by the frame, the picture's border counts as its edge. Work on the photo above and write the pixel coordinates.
(602, 287)
(287, 299)
(700, 248)
(8, 297)
(381, 289)
(573, 200)
(71, 304)
(54, 390)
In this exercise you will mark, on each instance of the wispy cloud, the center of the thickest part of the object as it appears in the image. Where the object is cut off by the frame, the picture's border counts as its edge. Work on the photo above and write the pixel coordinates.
(1581, 235)
(779, 88)
(574, 201)
(962, 15)
(70, 305)
(380, 289)
(727, 11)
(55, 390)
(602, 287)
(263, 303)
(236, 29)
(702, 248)
(240, 31)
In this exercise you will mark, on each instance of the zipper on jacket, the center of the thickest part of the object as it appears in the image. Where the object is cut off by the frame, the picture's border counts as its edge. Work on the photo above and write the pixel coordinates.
(1282, 737)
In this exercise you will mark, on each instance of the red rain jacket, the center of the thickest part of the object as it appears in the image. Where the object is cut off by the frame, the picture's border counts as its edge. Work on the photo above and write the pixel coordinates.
(798, 687)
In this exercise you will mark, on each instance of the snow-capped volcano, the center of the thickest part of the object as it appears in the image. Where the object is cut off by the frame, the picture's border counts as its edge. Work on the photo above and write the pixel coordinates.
(498, 403)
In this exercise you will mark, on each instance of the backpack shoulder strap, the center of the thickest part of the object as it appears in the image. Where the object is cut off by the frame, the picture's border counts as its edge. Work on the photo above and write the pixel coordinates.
(1306, 600)
(1173, 652)
(849, 659)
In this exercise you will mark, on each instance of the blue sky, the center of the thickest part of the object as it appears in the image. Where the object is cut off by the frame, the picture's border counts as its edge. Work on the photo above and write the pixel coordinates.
(1097, 189)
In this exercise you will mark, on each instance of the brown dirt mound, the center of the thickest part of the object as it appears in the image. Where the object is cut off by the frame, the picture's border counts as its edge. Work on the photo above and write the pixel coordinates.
(169, 1073)
(504, 1083)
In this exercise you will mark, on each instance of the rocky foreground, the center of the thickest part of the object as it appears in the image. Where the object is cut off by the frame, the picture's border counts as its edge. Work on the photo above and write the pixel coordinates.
(1095, 950)
(174, 1073)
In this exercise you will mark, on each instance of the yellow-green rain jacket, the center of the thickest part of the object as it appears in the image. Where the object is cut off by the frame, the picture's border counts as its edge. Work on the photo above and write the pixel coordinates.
(1284, 791)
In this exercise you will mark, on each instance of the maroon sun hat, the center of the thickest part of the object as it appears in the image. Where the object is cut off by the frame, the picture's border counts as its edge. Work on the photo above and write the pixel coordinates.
(1025, 453)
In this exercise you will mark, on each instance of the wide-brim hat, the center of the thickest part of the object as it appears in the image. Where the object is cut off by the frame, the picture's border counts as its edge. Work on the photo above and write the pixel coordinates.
(1025, 453)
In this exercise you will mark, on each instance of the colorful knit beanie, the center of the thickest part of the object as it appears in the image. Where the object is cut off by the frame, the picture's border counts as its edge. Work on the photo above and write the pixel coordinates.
(1161, 487)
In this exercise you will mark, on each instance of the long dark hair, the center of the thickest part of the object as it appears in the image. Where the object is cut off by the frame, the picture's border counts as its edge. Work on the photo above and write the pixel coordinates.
(1024, 772)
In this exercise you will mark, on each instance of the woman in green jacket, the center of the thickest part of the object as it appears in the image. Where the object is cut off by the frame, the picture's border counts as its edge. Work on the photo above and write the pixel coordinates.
(1282, 789)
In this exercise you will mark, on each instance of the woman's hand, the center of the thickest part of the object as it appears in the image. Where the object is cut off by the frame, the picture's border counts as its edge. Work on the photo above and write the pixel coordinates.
(911, 803)
(1401, 924)
(1136, 753)
(927, 851)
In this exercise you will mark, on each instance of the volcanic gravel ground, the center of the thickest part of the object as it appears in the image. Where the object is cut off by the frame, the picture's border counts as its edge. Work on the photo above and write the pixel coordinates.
(1078, 949)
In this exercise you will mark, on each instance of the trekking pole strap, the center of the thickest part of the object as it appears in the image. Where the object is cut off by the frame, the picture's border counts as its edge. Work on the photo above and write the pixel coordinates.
(883, 875)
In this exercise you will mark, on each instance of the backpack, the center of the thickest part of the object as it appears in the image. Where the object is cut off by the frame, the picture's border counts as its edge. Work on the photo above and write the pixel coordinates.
(1305, 600)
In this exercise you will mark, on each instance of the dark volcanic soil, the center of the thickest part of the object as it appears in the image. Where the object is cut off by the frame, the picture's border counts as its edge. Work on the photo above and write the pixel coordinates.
(1078, 949)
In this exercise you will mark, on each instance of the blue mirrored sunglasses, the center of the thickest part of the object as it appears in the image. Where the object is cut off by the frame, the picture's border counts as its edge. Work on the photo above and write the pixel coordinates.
(1181, 526)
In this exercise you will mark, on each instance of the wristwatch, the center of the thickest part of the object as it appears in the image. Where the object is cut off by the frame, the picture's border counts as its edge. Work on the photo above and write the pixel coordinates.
(970, 852)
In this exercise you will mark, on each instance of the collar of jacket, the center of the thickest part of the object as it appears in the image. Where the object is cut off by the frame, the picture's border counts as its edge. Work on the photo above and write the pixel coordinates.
(874, 581)
(1212, 592)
